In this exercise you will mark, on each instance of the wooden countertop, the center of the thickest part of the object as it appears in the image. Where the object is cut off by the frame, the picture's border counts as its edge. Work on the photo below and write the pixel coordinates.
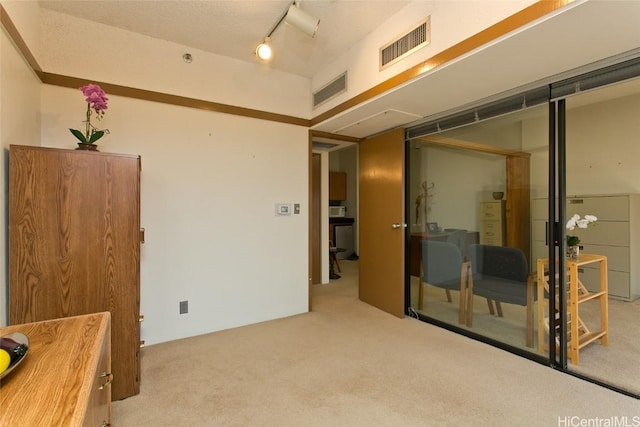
(52, 385)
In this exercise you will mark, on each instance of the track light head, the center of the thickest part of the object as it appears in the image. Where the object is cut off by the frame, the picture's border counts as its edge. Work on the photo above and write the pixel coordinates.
(295, 17)
(263, 50)
(301, 20)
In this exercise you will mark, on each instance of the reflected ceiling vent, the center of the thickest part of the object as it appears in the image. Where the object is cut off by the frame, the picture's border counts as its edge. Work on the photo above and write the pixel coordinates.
(406, 44)
(334, 88)
(323, 145)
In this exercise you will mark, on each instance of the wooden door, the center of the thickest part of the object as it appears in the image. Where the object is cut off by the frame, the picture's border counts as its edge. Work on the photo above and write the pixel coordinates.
(316, 234)
(381, 276)
(74, 245)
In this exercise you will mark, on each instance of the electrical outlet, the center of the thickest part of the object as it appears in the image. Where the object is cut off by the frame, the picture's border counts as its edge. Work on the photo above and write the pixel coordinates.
(184, 307)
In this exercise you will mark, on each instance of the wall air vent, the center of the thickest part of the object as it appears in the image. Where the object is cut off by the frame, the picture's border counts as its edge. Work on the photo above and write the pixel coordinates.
(406, 44)
(333, 88)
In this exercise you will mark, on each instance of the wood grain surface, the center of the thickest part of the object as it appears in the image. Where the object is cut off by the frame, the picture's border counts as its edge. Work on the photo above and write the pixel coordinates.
(55, 384)
(74, 244)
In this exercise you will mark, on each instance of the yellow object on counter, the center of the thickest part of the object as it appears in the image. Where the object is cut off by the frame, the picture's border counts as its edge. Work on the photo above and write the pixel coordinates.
(5, 360)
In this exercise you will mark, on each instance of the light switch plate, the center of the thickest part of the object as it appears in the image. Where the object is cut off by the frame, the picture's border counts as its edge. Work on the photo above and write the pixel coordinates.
(283, 208)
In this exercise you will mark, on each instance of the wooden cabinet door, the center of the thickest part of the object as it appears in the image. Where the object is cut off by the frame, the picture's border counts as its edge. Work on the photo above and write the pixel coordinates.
(337, 186)
(99, 400)
(74, 244)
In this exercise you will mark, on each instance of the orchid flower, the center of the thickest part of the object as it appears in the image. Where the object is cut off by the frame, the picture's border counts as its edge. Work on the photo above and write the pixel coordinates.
(576, 221)
(96, 101)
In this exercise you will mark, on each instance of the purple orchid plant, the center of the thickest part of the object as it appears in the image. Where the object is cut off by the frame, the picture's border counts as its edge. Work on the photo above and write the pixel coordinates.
(96, 101)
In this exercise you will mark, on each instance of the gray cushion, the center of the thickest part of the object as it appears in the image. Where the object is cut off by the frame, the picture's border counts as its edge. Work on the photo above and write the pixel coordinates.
(499, 273)
(441, 263)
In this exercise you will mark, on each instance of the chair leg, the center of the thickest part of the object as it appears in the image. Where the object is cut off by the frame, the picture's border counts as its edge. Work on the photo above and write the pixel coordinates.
(335, 258)
(462, 309)
(499, 308)
(469, 316)
(448, 292)
(491, 309)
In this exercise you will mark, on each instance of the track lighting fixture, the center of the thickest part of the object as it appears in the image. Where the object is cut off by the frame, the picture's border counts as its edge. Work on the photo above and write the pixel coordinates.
(301, 20)
(263, 51)
(296, 18)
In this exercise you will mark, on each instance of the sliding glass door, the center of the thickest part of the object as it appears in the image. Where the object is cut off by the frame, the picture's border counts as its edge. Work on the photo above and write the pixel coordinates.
(470, 191)
(602, 134)
(524, 224)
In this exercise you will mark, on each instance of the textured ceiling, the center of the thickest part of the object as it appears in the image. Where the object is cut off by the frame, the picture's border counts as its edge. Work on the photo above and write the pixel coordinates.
(233, 28)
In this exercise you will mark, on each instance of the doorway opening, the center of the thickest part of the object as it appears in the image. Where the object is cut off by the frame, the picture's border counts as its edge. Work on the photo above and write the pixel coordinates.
(334, 213)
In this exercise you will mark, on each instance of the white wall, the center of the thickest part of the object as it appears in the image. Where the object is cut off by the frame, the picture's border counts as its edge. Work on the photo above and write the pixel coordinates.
(603, 148)
(19, 124)
(210, 183)
(25, 15)
(462, 179)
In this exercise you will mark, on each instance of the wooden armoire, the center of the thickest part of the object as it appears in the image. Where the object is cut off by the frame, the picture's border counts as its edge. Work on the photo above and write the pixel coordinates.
(74, 245)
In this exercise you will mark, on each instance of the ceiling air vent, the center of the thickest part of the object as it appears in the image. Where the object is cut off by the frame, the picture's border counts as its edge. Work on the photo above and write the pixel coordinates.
(333, 88)
(324, 145)
(406, 44)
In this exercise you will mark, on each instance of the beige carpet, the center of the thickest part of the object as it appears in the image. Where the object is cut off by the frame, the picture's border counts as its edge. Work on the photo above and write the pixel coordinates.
(615, 364)
(349, 364)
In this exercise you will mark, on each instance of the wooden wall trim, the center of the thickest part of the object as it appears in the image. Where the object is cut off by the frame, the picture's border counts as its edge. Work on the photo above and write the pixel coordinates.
(165, 98)
(329, 135)
(472, 146)
(513, 22)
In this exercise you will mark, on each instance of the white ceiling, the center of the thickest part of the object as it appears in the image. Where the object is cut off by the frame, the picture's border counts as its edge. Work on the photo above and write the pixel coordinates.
(583, 32)
(234, 28)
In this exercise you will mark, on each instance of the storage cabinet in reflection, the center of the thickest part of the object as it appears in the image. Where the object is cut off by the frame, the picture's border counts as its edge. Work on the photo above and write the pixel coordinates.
(492, 223)
(74, 245)
(615, 235)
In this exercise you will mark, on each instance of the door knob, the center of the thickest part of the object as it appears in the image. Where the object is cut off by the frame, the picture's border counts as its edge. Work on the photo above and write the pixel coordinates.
(396, 225)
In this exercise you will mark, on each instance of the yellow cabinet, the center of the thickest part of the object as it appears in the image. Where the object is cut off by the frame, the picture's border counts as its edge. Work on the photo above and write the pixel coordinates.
(492, 223)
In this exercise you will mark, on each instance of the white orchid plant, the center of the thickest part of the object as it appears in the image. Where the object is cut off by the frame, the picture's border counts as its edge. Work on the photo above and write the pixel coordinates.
(577, 221)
